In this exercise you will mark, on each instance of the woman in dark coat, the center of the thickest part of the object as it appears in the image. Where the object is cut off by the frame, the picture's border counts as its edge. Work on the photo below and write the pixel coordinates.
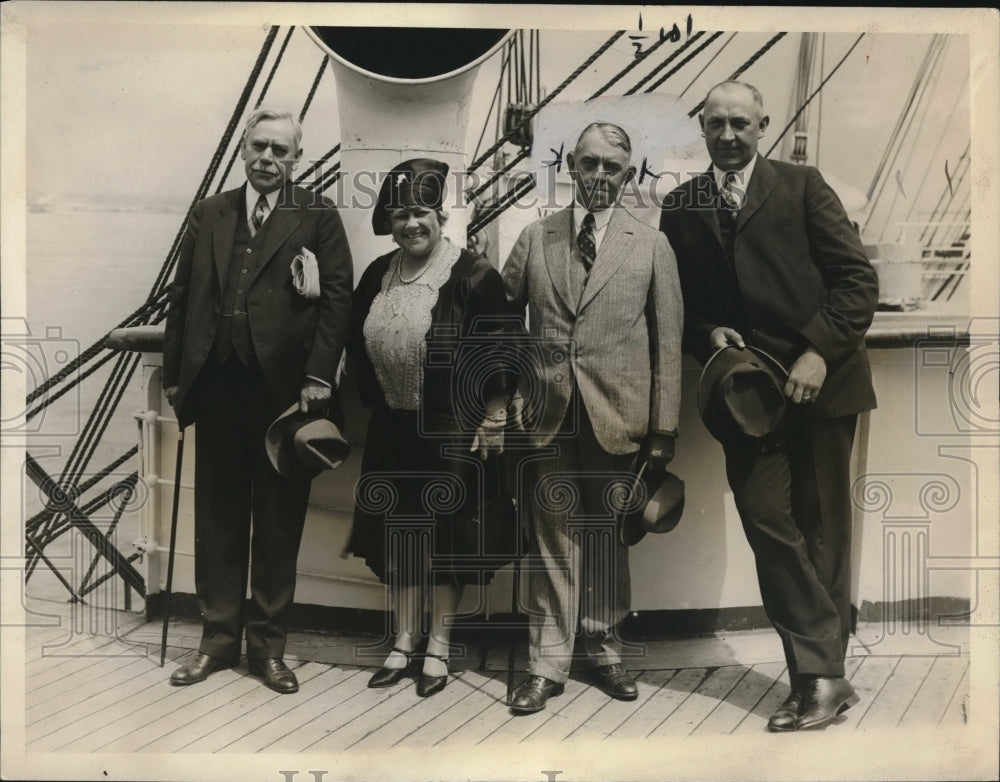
(424, 345)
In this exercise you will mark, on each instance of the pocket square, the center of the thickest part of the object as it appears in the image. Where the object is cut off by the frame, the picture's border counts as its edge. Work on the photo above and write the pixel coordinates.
(305, 274)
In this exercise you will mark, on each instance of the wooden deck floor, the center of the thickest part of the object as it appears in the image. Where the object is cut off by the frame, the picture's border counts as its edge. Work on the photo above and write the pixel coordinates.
(96, 692)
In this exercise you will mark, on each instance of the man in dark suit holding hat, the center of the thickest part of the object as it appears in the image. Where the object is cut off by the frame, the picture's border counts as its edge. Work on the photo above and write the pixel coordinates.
(768, 259)
(257, 322)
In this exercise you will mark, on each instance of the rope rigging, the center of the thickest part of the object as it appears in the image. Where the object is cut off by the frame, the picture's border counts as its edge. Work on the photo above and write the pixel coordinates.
(490, 212)
(815, 92)
(47, 523)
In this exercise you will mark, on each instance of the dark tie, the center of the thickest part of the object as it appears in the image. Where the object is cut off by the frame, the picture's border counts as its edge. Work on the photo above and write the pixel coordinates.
(730, 200)
(259, 214)
(585, 241)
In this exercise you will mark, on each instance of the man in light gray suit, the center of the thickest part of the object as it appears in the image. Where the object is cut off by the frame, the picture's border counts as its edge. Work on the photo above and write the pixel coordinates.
(604, 306)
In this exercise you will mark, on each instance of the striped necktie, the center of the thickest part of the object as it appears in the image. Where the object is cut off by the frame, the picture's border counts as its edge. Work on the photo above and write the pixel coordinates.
(585, 241)
(259, 215)
(730, 199)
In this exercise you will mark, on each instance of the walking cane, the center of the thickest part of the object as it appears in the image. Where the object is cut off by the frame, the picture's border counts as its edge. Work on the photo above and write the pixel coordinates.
(173, 543)
(515, 601)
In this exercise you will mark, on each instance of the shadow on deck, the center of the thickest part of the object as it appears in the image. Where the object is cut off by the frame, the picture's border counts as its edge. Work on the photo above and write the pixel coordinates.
(94, 684)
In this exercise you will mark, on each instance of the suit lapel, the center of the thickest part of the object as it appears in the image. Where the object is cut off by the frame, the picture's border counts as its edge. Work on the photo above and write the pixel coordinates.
(557, 242)
(224, 233)
(280, 224)
(762, 182)
(703, 200)
(615, 248)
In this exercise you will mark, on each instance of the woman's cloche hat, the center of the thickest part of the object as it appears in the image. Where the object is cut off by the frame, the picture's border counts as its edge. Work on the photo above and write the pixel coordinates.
(416, 182)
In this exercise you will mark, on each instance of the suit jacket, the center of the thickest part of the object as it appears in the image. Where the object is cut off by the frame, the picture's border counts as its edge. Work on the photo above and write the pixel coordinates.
(799, 276)
(291, 336)
(619, 342)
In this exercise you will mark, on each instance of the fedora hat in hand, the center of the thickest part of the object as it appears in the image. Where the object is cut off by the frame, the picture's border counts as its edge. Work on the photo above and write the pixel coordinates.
(741, 396)
(300, 447)
(655, 504)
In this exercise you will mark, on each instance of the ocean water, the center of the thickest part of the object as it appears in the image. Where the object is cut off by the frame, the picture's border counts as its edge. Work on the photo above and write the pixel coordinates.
(85, 271)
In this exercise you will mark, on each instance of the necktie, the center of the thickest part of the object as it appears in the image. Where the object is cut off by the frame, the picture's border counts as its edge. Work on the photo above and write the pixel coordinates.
(728, 194)
(585, 241)
(259, 214)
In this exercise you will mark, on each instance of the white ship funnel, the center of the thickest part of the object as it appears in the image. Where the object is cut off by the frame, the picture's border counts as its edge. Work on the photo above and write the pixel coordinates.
(401, 93)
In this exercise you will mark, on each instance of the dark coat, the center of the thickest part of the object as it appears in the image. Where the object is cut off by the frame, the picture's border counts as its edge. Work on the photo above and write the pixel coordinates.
(422, 454)
(291, 337)
(801, 276)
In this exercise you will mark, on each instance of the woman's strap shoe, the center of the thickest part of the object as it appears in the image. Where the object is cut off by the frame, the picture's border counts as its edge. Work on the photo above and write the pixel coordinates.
(386, 677)
(430, 685)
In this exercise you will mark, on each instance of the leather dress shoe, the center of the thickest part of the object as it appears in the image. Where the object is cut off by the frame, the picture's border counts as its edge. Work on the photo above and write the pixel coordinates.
(386, 677)
(275, 674)
(532, 693)
(786, 715)
(199, 669)
(429, 685)
(823, 698)
(614, 681)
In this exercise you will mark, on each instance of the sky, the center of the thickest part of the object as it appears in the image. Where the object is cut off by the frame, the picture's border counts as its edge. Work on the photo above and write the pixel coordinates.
(133, 110)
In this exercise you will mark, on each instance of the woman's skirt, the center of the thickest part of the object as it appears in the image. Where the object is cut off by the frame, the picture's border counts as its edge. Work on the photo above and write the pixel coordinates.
(427, 510)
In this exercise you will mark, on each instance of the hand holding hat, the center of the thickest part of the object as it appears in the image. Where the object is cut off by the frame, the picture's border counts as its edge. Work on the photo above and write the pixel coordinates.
(741, 397)
(300, 447)
(655, 504)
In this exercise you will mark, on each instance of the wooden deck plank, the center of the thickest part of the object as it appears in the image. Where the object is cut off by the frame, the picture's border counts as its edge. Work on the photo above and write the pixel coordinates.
(322, 694)
(931, 701)
(575, 720)
(226, 712)
(146, 707)
(464, 723)
(95, 696)
(743, 699)
(869, 679)
(617, 713)
(896, 695)
(517, 727)
(662, 704)
(178, 728)
(38, 636)
(460, 687)
(43, 736)
(355, 700)
(83, 651)
(490, 693)
(69, 692)
(254, 708)
(613, 712)
(403, 704)
(957, 711)
(701, 702)
(756, 719)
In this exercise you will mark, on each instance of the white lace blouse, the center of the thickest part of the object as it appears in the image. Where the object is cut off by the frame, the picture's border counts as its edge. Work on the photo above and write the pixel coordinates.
(397, 325)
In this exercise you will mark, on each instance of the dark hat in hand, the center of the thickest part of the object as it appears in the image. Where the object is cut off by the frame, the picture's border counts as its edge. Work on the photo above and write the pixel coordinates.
(741, 396)
(417, 182)
(300, 446)
(655, 504)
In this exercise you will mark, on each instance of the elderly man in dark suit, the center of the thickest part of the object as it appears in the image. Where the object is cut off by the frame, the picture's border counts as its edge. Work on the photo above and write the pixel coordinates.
(604, 305)
(768, 258)
(243, 343)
